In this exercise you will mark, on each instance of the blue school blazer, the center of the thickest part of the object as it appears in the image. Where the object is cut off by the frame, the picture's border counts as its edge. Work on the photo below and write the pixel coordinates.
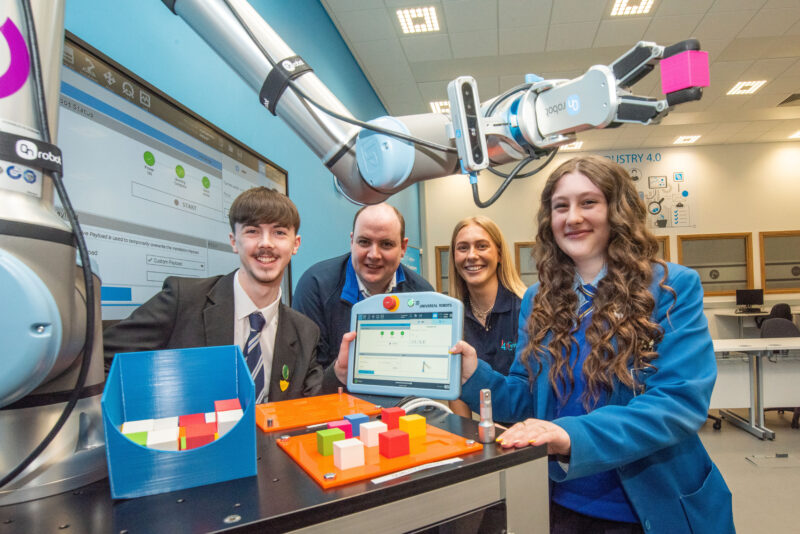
(650, 438)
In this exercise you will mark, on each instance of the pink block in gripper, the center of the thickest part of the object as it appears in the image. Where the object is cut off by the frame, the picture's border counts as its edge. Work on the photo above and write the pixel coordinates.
(344, 426)
(687, 69)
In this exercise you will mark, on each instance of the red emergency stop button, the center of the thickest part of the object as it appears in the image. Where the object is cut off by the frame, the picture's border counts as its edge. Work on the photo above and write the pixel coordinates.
(391, 303)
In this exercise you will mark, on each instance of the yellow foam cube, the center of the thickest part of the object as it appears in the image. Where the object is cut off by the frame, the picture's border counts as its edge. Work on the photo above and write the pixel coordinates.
(413, 425)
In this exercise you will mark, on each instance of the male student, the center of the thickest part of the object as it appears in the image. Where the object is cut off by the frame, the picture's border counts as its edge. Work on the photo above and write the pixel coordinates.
(241, 308)
(328, 289)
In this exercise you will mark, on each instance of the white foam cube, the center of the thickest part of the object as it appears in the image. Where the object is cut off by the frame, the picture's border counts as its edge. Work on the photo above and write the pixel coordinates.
(142, 425)
(211, 417)
(227, 420)
(165, 422)
(165, 439)
(368, 432)
(348, 453)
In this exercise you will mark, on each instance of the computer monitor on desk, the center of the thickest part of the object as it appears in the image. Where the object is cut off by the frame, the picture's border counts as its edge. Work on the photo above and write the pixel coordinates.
(749, 300)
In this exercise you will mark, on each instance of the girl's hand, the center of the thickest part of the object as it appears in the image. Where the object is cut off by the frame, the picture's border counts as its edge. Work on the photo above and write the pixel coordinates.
(537, 432)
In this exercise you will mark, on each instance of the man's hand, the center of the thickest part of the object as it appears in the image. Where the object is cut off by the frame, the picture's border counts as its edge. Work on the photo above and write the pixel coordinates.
(340, 365)
(469, 359)
(537, 432)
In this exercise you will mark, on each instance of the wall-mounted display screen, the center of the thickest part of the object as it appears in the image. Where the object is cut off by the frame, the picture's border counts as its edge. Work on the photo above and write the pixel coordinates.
(151, 181)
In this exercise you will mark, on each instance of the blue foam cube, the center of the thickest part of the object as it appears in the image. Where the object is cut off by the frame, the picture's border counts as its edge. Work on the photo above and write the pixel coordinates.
(355, 421)
(155, 384)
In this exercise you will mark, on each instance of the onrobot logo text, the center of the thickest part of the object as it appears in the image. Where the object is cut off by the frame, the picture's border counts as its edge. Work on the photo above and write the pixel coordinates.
(291, 65)
(27, 149)
(573, 105)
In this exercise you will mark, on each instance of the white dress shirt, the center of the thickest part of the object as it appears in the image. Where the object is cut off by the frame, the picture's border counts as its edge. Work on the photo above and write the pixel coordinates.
(243, 306)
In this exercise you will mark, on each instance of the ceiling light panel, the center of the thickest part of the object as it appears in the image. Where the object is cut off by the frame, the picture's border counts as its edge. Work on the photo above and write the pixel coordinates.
(572, 146)
(440, 106)
(746, 88)
(686, 139)
(418, 20)
(631, 7)
(795, 135)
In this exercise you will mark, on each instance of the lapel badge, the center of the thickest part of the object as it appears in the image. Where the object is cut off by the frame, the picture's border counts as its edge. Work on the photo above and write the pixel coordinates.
(285, 374)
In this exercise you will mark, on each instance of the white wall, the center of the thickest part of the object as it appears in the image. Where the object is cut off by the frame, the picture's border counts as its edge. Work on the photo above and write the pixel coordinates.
(732, 189)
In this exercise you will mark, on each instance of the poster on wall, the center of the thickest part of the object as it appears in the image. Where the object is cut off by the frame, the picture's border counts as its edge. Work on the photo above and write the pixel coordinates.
(666, 188)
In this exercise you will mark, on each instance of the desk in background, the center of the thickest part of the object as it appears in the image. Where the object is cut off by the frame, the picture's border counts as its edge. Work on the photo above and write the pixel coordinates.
(740, 317)
(283, 498)
(755, 349)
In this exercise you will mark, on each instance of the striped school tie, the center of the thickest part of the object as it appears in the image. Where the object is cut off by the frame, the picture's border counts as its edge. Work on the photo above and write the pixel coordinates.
(252, 353)
(586, 308)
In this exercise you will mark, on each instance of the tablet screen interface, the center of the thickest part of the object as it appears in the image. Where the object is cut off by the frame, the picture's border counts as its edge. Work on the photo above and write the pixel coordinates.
(404, 350)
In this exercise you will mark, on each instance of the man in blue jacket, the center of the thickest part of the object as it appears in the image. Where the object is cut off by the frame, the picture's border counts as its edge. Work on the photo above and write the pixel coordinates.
(328, 289)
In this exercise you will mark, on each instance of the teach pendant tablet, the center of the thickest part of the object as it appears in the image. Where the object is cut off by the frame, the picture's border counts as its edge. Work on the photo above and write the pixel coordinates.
(402, 346)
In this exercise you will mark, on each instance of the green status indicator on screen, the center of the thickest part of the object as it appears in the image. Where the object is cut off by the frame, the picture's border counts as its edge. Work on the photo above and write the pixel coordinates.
(179, 171)
(149, 158)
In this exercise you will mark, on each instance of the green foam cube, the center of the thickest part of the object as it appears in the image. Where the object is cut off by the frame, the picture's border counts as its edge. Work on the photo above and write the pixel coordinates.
(140, 438)
(325, 439)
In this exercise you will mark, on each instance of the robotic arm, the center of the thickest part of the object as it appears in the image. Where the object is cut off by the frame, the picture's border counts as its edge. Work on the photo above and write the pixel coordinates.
(371, 161)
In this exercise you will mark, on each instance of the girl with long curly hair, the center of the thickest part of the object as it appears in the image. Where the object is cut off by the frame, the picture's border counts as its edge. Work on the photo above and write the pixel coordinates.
(614, 366)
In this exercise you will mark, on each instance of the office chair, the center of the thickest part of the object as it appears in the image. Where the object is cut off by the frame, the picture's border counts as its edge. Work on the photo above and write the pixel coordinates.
(780, 310)
(780, 327)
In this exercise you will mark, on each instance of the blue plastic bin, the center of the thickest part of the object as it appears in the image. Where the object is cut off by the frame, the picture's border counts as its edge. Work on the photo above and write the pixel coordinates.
(166, 383)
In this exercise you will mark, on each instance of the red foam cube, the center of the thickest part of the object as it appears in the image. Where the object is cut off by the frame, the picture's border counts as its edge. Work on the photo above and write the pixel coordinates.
(193, 419)
(393, 443)
(200, 434)
(391, 416)
(227, 405)
(684, 70)
(344, 426)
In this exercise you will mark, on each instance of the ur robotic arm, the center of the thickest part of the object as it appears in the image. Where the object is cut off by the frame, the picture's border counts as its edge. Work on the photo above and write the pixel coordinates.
(371, 161)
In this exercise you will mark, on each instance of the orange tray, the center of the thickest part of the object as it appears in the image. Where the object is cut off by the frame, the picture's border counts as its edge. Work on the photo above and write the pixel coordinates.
(311, 411)
(437, 445)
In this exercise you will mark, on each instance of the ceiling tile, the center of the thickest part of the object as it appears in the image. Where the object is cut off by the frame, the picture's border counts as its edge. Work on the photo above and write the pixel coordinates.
(384, 60)
(769, 22)
(571, 11)
(767, 69)
(671, 29)
(516, 13)
(618, 32)
(778, 4)
(401, 99)
(523, 40)
(366, 25)
(786, 46)
(721, 24)
(431, 91)
(746, 48)
(346, 5)
(474, 43)
(785, 85)
(469, 15)
(488, 87)
(682, 7)
(426, 47)
(737, 5)
(571, 36)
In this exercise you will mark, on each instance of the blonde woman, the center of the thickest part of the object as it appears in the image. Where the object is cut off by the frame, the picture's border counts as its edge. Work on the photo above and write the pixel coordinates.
(483, 276)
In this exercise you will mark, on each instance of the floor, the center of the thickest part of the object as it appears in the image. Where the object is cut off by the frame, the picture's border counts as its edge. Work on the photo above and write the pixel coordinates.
(766, 497)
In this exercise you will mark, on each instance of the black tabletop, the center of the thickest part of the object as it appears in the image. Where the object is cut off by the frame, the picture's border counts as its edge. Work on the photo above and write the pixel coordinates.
(281, 497)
